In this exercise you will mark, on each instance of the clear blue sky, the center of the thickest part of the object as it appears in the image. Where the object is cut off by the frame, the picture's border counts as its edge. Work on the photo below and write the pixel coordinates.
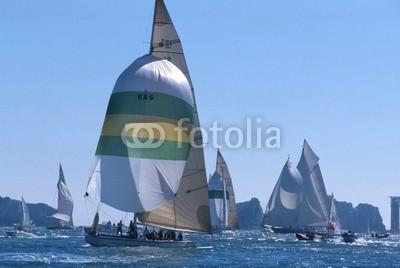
(327, 71)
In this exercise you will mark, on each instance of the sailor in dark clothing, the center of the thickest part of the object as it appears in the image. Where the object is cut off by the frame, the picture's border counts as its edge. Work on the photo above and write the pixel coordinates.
(119, 228)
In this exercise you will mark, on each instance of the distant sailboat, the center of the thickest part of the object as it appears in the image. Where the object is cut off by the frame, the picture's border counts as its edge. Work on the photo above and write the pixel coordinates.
(25, 221)
(63, 215)
(334, 227)
(299, 201)
(164, 185)
(222, 198)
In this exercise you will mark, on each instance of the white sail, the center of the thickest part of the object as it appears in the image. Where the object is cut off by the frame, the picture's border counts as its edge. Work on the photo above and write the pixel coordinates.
(218, 201)
(65, 202)
(189, 209)
(299, 198)
(334, 226)
(142, 150)
(314, 205)
(222, 169)
(25, 220)
(284, 204)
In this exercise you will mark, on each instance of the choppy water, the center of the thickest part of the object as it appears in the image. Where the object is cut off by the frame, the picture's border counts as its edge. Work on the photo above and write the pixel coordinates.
(67, 248)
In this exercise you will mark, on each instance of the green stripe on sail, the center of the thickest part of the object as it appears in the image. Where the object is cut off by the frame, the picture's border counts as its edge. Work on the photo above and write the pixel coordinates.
(166, 150)
(217, 194)
(150, 104)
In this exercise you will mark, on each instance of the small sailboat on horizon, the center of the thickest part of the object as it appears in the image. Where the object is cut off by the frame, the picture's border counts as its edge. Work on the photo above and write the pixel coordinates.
(165, 185)
(21, 229)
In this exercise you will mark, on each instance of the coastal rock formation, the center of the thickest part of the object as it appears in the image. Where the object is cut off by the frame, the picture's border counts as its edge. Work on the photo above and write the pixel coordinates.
(358, 219)
(361, 218)
(10, 212)
(250, 214)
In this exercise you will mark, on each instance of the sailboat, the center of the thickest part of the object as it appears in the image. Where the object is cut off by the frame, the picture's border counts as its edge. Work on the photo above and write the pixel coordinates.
(299, 201)
(25, 221)
(147, 161)
(222, 199)
(63, 216)
(334, 227)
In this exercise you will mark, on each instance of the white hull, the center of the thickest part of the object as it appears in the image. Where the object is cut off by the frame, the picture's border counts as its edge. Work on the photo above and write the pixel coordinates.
(124, 241)
(17, 233)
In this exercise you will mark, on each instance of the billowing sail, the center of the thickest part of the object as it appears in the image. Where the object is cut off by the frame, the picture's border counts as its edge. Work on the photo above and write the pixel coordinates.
(222, 169)
(284, 204)
(189, 209)
(219, 200)
(25, 220)
(144, 143)
(65, 202)
(314, 205)
(299, 198)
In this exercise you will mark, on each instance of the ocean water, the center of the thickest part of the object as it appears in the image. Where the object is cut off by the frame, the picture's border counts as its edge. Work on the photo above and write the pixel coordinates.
(67, 248)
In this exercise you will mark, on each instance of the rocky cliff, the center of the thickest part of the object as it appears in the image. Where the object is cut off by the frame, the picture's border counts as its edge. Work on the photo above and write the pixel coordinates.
(250, 214)
(357, 219)
(10, 212)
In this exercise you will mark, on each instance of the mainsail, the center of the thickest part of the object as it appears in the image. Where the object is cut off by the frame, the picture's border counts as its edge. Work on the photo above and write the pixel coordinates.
(188, 210)
(219, 200)
(25, 220)
(222, 169)
(314, 206)
(65, 202)
(299, 198)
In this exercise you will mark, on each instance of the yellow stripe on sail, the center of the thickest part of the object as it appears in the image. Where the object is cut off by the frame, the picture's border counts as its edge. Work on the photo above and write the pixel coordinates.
(147, 127)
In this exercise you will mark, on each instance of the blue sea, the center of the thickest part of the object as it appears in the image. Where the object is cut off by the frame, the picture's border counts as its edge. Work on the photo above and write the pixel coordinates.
(67, 248)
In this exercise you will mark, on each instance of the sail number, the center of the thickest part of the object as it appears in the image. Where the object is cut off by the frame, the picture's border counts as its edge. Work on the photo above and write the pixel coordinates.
(145, 96)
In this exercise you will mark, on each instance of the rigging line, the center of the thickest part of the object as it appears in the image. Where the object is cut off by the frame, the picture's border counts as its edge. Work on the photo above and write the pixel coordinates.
(199, 188)
(99, 205)
(194, 173)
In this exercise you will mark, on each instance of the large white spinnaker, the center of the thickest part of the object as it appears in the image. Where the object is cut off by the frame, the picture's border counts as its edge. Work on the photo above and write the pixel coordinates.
(143, 147)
